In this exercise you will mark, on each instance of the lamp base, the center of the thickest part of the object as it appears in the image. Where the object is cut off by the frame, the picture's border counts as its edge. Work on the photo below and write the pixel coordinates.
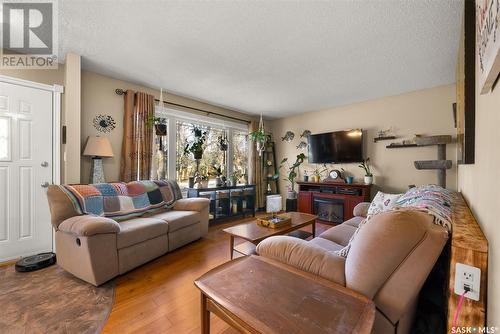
(96, 171)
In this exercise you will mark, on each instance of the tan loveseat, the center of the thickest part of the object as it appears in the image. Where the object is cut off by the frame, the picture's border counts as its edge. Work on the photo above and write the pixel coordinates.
(389, 260)
(98, 248)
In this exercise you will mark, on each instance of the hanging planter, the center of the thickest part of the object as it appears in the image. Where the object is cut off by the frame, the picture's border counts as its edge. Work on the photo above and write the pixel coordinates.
(161, 129)
(197, 146)
(259, 137)
(223, 144)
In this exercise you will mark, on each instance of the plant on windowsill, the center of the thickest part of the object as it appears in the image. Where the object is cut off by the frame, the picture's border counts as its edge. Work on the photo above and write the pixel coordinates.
(196, 146)
(220, 179)
(235, 177)
(365, 165)
(293, 172)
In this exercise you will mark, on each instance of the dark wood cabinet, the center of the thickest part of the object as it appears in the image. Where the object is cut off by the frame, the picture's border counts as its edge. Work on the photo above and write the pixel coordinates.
(314, 197)
(305, 202)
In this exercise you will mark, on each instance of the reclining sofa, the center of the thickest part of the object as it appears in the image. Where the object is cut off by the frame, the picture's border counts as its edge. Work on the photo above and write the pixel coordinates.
(388, 261)
(104, 230)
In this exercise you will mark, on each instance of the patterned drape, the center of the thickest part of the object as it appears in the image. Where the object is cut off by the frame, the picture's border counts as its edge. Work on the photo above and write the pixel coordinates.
(137, 147)
(255, 172)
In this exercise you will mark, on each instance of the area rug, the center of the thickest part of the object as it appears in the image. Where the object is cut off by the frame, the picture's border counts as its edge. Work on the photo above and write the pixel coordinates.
(51, 300)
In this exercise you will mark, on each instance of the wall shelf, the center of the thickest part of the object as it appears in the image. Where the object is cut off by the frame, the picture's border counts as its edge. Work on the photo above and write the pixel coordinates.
(401, 145)
(383, 138)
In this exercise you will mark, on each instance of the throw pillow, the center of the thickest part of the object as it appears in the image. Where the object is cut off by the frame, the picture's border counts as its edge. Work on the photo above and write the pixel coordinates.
(382, 202)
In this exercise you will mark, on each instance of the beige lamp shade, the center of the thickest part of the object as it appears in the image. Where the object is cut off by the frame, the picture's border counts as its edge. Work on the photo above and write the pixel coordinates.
(98, 147)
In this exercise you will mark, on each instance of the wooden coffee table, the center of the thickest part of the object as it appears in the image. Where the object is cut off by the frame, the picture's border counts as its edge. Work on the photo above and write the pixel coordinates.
(254, 233)
(257, 295)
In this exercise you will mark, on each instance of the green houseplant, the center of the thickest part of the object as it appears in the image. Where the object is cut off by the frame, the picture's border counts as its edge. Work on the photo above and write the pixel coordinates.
(293, 172)
(365, 165)
(159, 123)
(197, 145)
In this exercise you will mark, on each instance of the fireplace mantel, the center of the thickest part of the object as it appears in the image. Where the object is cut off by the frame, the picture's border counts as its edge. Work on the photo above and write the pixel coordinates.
(350, 194)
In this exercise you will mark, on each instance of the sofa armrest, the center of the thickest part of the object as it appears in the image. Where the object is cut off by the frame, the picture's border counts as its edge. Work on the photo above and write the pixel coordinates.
(192, 204)
(361, 209)
(302, 255)
(87, 225)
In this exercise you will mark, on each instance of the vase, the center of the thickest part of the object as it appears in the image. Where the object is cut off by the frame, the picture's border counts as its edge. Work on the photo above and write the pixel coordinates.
(191, 182)
(218, 181)
(368, 179)
(204, 183)
(291, 194)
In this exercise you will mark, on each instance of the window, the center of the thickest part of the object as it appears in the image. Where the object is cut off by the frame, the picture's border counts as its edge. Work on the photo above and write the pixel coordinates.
(219, 151)
(240, 155)
(160, 150)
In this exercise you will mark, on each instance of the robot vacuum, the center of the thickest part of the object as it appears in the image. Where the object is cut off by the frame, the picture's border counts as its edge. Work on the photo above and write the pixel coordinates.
(35, 262)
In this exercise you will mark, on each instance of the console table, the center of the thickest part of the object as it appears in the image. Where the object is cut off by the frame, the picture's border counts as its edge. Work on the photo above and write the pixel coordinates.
(332, 202)
(227, 201)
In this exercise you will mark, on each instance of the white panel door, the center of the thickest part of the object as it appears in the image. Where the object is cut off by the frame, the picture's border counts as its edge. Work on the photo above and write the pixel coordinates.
(25, 170)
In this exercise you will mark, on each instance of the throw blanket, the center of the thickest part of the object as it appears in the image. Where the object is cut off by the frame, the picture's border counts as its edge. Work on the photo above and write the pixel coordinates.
(432, 199)
(122, 200)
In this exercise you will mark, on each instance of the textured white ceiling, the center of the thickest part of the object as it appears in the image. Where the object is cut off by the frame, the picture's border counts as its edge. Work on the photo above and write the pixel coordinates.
(274, 57)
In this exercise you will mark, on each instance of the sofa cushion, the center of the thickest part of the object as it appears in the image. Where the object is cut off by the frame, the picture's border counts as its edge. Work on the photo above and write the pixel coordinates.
(339, 234)
(326, 244)
(136, 230)
(354, 221)
(382, 202)
(177, 219)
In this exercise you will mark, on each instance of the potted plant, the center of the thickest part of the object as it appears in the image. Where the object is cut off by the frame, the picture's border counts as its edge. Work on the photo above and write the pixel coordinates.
(218, 175)
(317, 172)
(259, 137)
(196, 146)
(234, 177)
(223, 144)
(293, 172)
(365, 165)
(159, 123)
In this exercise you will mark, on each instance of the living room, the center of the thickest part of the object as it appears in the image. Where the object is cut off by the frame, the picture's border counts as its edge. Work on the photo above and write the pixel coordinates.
(171, 167)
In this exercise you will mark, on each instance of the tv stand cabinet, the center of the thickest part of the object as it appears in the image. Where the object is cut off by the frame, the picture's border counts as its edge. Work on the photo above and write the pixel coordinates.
(314, 198)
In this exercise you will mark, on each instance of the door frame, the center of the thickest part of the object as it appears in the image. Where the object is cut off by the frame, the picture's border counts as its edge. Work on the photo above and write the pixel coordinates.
(56, 91)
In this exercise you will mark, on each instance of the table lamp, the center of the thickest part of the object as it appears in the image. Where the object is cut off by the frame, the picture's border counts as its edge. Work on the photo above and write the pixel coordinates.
(97, 148)
(273, 204)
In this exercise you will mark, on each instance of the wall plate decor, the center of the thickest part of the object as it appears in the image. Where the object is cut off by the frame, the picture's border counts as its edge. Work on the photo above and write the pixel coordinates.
(302, 145)
(104, 123)
(305, 134)
(288, 137)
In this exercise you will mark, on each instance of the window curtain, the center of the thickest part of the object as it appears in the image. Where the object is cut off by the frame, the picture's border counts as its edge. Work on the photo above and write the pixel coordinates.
(255, 171)
(137, 146)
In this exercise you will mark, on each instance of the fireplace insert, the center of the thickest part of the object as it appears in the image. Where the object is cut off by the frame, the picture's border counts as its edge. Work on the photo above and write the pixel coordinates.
(329, 209)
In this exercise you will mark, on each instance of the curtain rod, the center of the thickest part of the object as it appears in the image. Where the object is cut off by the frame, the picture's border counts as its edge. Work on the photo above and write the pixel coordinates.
(120, 91)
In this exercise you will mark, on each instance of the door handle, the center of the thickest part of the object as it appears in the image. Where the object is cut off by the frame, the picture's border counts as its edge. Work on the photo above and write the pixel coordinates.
(44, 184)
(44, 164)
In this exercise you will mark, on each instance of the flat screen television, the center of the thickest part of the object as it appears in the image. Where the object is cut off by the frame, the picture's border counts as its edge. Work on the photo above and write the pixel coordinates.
(336, 147)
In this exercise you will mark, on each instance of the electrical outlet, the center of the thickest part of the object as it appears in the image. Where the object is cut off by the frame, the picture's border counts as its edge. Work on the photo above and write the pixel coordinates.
(467, 277)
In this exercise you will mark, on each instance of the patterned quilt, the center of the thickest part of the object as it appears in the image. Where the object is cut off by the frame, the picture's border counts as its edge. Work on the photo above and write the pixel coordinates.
(432, 199)
(123, 200)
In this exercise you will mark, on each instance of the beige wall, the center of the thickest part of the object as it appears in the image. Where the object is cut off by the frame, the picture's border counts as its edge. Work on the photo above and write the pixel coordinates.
(49, 77)
(98, 97)
(427, 112)
(480, 184)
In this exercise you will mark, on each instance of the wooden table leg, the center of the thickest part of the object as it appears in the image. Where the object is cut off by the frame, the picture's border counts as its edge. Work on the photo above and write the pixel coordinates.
(205, 315)
(314, 228)
(231, 246)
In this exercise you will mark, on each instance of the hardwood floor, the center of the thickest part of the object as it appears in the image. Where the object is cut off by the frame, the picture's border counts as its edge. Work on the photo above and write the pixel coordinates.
(160, 297)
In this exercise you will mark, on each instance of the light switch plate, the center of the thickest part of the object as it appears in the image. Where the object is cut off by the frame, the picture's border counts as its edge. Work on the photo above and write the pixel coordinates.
(466, 275)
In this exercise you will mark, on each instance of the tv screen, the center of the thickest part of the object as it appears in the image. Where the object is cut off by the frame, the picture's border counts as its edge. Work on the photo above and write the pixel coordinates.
(336, 147)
